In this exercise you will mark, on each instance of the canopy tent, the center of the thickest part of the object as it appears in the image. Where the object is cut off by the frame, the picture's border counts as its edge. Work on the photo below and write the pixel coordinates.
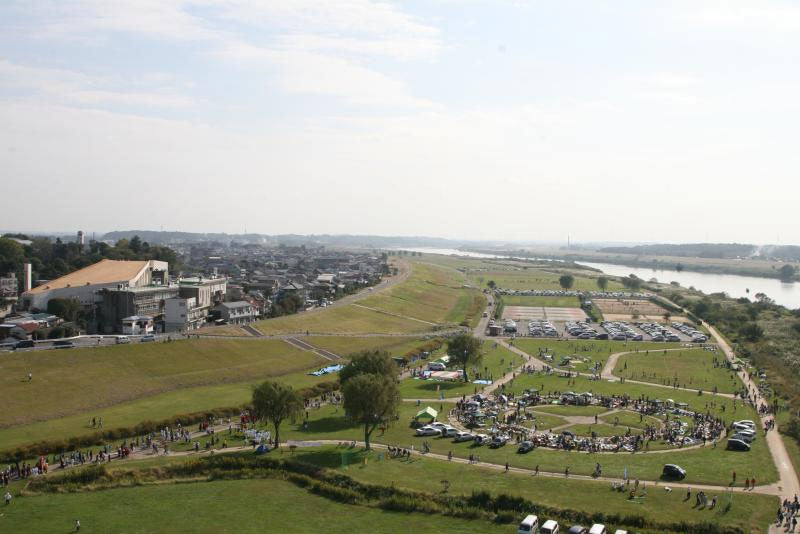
(426, 413)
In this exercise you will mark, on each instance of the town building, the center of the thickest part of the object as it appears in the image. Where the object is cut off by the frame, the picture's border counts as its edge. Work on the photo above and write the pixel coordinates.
(239, 312)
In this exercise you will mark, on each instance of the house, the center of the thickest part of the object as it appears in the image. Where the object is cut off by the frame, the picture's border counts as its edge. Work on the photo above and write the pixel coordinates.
(239, 312)
(137, 325)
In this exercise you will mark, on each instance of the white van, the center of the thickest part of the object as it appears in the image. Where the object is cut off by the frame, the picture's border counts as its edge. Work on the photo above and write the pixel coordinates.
(437, 366)
(597, 528)
(529, 525)
(122, 340)
(549, 527)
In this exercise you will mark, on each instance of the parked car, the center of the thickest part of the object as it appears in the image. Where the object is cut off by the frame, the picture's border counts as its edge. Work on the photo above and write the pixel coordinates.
(428, 431)
(598, 528)
(463, 436)
(437, 366)
(63, 344)
(529, 525)
(738, 445)
(449, 432)
(549, 527)
(24, 344)
(525, 446)
(619, 531)
(148, 337)
(749, 438)
(482, 439)
(577, 529)
(498, 441)
(673, 471)
(122, 340)
(745, 422)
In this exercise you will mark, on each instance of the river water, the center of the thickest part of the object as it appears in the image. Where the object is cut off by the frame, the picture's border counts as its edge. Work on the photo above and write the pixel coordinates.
(785, 294)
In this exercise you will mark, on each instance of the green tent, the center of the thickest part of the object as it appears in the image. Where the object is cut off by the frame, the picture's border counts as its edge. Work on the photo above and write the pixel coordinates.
(427, 413)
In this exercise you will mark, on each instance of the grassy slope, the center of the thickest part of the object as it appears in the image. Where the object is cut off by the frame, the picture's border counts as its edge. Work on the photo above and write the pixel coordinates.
(346, 345)
(694, 368)
(69, 382)
(349, 319)
(214, 507)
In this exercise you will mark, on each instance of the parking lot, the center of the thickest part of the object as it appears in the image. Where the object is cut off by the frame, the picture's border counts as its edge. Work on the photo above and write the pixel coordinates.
(545, 326)
(527, 313)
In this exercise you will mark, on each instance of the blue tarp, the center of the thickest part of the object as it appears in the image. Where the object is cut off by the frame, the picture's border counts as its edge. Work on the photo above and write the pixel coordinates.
(327, 370)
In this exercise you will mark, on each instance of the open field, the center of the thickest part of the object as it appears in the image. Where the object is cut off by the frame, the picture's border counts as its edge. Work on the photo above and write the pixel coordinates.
(349, 319)
(496, 362)
(595, 351)
(693, 369)
(214, 507)
(601, 430)
(152, 408)
(704, 465)
(225, 330)
(69, 382)
(431, 293)
(542, 302)
(346, 345)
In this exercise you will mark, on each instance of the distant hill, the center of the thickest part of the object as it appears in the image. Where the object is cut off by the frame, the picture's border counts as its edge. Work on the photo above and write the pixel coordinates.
(689, 250)
(355, 241)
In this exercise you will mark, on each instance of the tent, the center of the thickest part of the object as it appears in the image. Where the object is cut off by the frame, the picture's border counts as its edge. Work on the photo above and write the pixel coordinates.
(426, 413)
(262, 449)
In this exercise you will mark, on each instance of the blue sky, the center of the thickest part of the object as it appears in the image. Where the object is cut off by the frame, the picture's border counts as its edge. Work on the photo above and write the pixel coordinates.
(624, 121)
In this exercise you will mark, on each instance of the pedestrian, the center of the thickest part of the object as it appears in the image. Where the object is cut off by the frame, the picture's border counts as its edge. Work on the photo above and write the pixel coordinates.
(734, 477)
(77, 525)
(7, 498)
(536, 470)
(449, 455)
(506, 467)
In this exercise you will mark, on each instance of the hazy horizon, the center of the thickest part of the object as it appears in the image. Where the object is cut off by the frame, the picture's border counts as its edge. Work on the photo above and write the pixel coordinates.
(467, 119)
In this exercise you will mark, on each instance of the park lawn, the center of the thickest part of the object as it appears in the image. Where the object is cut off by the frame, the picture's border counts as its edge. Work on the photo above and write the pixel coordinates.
(214, 507)
(153, 408)
(544, 421)
(549, 302)
(225, 330)
(631, 419)
(347, 345)
(84, 380)
(750, 512)
(692, 368)
(723, 407)
(585, 411)
(349, 319)
(704, 465)
(533, 278)
(595, 351)
(602, 430)
(497, 361)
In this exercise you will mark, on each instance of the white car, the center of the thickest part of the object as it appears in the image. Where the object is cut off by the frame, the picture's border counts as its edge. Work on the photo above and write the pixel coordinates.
(463, 436)
(449, 432)
(746, 422)
(482, 439)
(428, 431)
(440, 426)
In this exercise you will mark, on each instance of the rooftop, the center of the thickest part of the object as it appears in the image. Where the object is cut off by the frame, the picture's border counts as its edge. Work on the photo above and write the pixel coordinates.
(102, 272)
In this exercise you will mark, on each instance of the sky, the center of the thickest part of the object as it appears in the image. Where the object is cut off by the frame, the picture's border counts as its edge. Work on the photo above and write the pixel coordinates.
(468, 119)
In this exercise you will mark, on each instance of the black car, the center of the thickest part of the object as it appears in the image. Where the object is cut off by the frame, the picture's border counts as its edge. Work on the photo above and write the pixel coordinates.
(525, 446)
(24, 344)
(577, 529)
(602, 336)
(738, 445)
(63, 344)
(674, 472)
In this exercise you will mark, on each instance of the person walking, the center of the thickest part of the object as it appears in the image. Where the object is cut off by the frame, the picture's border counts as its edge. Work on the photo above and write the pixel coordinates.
(7, 497)
(77, 525)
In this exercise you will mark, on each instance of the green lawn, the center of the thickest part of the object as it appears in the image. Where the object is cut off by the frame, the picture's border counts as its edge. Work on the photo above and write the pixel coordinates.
(349, 319)
(704, 465)
(551, 302)
(544, 421)
(692, 368)
(602, 430)
(591, 350)
(233, 506)
(153, 408)
(497, 361)
(87, 380)
(571, 410)
(750, 512)
(541, 279)
(631, 419)
(347, 345)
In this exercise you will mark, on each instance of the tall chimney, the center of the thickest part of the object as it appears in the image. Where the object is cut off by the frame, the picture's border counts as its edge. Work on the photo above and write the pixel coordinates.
(80, 237)
(28, 276)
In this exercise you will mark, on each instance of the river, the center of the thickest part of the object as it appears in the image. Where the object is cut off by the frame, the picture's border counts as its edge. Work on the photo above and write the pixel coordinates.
(785, 294)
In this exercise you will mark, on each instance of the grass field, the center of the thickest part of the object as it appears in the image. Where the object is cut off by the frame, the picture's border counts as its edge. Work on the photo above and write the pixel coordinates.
(497, 361)
(552, 302)
(594, 351)
(217, 507)
(87, 379)
(748, 512)
(431, 293)
(349, 319)
(153, 408)
(225, 330)
(601, 430)
(691, 368)
(704, 465)
(346, 345)
(571, 410)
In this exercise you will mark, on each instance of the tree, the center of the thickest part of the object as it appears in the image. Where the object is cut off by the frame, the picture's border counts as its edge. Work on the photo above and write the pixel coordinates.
(464, 350)
(275, 402)
(491, 284)
(751, 332)
(67, 309)
(602, 283)
(370, 399)
(566, 281)
(666, 316)
(679, 267)
(787, 273)
(369, 362)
